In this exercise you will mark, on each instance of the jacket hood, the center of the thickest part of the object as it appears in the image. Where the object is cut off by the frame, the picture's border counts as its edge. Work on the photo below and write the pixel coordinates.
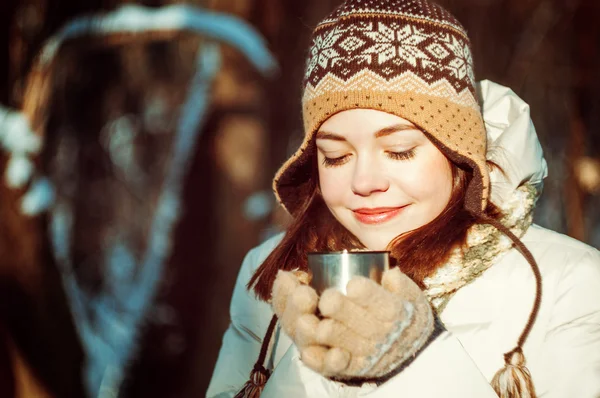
(513, 144)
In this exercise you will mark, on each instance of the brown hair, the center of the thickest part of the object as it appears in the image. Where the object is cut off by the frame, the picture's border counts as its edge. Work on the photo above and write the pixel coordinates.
(418, 253)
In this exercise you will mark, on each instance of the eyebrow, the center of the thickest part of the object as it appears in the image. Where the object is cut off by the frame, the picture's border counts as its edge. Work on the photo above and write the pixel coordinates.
(378, 134)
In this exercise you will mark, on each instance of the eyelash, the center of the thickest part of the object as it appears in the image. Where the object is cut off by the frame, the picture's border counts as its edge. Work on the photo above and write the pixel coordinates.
(333, 162)
(406, 155)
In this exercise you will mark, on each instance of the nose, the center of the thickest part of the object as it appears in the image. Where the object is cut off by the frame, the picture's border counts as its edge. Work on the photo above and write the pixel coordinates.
(369, 178)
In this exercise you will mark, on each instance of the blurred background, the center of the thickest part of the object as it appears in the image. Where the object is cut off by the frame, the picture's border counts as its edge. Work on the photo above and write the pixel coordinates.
(138, 141)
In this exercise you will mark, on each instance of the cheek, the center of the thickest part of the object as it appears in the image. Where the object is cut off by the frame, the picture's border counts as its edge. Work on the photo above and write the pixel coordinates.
(332, 182)
(430, 179)
(441, 174)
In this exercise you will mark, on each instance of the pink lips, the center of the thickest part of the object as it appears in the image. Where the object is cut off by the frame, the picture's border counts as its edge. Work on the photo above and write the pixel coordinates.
(376, 215)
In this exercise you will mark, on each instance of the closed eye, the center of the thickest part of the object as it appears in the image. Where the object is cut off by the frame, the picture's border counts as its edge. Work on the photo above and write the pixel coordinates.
(404, 155)
(332, 162)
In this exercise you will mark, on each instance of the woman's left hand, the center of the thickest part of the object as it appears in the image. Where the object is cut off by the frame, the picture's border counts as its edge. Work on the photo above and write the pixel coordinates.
(367, 333)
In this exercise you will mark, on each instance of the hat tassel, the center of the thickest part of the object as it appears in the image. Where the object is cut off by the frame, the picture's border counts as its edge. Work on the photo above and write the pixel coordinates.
(514, 380)
(253, 387)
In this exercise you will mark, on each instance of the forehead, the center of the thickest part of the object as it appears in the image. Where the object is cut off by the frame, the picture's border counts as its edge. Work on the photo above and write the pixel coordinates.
(364, 122)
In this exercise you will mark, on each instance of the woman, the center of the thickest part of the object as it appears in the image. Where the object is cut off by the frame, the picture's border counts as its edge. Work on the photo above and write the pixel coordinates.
(398, 155)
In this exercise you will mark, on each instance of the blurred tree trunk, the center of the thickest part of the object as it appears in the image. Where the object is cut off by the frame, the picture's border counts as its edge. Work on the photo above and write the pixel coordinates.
(586, 69)
(41, 340)
(7, 377)
(572, 189)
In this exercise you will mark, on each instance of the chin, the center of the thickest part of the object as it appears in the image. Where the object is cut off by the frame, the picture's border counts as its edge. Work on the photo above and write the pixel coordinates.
(376, 244)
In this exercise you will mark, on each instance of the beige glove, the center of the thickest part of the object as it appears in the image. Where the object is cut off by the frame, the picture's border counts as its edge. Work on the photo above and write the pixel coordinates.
(366, 334)
(292, 299)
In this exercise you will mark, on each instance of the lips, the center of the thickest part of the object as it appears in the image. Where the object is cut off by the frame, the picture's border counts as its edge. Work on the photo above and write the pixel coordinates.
(377, 215)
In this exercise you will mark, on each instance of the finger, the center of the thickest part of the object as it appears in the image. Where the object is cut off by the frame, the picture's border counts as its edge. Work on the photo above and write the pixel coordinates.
(358, 366)
(335, 305)
(334, 334)
(306, 330)
(285, 283)
(313, 356)
(398, 283)
(336, 361)
(303, 300)
(383, 304)
(303, 277)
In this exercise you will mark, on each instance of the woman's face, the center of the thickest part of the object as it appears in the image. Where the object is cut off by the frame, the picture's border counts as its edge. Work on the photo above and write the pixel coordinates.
(379, 175)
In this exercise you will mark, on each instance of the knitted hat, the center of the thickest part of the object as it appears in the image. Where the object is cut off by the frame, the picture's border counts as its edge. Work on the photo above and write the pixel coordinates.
(410, 58)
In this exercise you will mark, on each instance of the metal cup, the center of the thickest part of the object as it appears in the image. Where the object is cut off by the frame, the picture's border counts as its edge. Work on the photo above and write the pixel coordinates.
(336, 269)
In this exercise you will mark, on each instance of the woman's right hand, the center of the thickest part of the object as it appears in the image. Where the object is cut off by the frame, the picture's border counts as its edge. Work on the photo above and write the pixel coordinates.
(295, 304)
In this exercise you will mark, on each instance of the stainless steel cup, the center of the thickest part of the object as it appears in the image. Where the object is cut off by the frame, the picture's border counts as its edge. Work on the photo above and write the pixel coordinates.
(335, 269)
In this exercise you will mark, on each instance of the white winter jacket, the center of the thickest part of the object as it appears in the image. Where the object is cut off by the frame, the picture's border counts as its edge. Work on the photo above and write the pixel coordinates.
(483, 319)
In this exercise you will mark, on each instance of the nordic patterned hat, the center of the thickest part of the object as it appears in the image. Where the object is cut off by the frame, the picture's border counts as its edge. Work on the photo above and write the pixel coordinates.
(410, 58)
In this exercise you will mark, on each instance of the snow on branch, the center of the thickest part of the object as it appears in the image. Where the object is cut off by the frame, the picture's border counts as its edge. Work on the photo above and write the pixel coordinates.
(17, 139)
(137, 19)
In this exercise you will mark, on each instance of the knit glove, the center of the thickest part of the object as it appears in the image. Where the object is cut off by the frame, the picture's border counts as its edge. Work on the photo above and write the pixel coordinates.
(366, 334)
(293, 300)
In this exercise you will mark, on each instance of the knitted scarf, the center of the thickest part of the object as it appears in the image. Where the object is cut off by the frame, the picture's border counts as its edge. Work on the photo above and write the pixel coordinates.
(484, 247)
